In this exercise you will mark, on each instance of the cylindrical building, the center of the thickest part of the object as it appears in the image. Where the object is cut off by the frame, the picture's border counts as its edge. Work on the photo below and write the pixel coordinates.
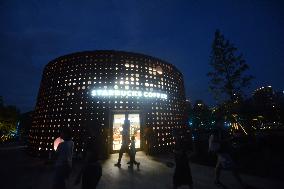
(102, 90)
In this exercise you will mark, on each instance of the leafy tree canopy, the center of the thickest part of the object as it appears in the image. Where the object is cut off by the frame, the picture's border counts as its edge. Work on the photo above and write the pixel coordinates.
(227, 78)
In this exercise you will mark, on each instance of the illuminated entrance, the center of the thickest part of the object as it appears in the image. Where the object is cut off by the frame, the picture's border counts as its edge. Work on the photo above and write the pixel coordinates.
(118, 121)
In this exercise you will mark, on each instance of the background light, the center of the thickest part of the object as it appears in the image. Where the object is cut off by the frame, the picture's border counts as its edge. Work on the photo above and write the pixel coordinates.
(57, 142)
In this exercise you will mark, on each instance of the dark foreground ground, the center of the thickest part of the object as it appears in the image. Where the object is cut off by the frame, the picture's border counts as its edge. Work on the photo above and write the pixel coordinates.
(260, 154)
(19, 170)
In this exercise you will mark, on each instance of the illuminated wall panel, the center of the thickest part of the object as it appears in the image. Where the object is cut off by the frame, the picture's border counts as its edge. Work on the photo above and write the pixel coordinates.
(85, 89)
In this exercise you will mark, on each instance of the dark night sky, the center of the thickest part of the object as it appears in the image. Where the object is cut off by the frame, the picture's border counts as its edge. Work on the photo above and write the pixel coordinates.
(180, 32)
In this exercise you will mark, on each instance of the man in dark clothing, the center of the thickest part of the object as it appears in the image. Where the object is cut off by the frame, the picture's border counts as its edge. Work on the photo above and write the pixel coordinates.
(91, 170)
(182, 173)
(221, 141)
(63, 164)
(125, 142)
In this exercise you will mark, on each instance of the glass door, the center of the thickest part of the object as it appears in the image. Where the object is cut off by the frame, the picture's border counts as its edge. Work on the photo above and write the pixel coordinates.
(135, 128)
(118, 121)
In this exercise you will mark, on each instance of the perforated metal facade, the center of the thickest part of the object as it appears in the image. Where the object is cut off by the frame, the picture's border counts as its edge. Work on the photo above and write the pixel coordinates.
(65, 97)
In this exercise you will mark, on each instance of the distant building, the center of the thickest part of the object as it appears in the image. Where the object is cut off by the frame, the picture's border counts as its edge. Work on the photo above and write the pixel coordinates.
(265, 97)
(267, 108)
(279, 95)
(188, 108)
(264, 94)
(102, 90)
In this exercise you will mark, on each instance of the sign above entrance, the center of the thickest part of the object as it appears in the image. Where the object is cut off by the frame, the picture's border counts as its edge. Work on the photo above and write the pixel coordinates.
(128, 93)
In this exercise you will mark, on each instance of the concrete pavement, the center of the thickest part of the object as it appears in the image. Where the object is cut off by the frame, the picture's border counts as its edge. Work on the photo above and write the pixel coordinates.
(21, 171)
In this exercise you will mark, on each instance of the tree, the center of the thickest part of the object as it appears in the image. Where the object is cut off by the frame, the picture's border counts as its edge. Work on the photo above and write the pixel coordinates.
(228, 79)
(8, 120)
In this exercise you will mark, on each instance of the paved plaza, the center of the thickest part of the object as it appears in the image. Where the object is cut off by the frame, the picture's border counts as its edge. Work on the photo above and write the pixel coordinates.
(21, 171)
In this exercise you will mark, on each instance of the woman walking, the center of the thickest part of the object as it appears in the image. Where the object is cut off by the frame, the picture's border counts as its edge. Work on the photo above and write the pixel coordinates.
(182, 173)
(63, 156)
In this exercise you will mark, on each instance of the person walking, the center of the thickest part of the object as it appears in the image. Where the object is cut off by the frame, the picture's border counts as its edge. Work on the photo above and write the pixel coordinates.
(182, 173)
(91, 171)
(63, 157)
(132, 154)
(219, 145)
(125, 143)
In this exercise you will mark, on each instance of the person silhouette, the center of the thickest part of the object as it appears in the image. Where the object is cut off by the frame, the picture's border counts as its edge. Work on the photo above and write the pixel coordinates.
(148, 136)
(219, 143)
(182, 172)
(125, 142)
(132, 153)
(91, 171)
(63, 156)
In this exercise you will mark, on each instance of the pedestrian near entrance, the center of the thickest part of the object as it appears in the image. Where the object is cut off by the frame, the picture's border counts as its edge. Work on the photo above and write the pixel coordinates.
(149, 137)
(132, 154)
(63, 156)
(125, 143)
